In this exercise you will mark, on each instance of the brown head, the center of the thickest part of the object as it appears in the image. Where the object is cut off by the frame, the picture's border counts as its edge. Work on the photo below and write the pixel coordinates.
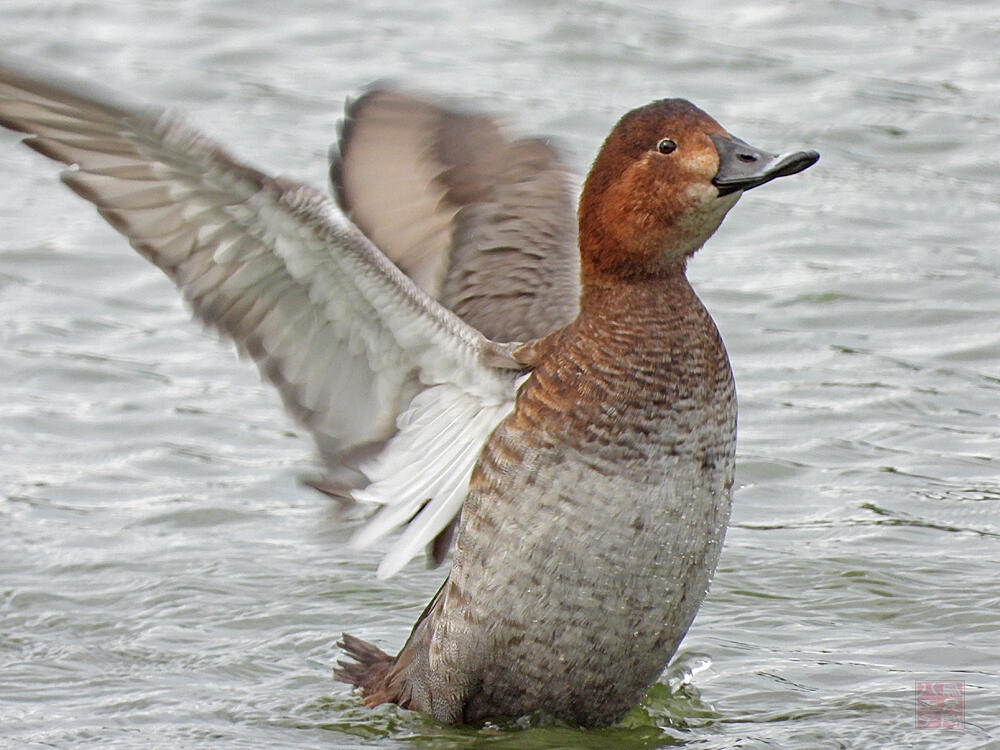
(661, 185)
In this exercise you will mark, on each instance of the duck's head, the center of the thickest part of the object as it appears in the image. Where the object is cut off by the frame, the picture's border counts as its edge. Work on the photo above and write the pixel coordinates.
(661, 185)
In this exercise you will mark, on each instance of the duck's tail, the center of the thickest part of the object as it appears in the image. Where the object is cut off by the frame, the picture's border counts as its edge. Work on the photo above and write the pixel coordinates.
(404, 679)
(368, 669)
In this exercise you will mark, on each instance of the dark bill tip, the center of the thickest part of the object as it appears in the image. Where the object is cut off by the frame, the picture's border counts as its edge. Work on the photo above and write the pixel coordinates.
(742, 167)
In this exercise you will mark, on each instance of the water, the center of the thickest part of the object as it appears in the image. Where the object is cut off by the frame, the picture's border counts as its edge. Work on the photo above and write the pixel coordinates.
(166, 582)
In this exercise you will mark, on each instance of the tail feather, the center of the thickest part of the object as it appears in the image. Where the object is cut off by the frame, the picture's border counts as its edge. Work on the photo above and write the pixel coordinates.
(404, 679)
(367, 671)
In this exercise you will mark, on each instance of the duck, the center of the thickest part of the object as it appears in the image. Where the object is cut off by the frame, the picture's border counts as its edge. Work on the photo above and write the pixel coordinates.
(579, 459)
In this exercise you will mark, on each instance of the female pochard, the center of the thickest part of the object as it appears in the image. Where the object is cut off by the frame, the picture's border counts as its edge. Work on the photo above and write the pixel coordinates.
(590, 470)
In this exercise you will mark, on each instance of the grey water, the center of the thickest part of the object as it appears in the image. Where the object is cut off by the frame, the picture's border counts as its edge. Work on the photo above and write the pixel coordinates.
(166, 582)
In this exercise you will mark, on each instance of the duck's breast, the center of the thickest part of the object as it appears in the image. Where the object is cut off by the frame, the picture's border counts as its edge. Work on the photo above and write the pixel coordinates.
(597, 512)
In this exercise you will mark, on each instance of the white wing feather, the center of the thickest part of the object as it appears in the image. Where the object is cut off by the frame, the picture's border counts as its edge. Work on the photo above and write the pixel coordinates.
(432, 456)
(358, 352)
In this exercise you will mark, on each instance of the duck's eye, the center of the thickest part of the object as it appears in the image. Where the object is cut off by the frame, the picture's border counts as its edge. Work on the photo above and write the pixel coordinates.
(666, 146)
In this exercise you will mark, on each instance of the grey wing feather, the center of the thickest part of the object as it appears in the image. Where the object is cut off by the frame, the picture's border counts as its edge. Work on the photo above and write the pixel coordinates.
(483, 223)
(347, 338)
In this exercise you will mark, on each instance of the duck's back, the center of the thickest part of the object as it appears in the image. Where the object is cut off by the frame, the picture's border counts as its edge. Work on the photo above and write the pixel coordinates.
(594, 521)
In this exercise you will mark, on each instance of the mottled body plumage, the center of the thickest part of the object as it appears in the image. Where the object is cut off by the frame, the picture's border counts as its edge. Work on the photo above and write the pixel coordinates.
(595, 516)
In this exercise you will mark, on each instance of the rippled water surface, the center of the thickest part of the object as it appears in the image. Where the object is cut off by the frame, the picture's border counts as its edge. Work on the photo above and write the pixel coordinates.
(166, 582)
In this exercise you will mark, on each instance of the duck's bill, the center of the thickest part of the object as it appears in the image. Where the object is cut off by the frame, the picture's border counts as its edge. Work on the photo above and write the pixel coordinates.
(742, 167)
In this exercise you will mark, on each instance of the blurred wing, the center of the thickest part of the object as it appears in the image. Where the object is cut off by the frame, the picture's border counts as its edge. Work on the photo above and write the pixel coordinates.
(346, 337)
(483, 223)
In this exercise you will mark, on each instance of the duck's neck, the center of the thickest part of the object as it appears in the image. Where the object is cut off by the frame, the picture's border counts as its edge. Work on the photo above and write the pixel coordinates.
(660, 295)
(609, 262)
(640, 320)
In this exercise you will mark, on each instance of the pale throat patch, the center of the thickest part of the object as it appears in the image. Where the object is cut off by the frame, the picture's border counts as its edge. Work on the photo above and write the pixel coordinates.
(695, 226)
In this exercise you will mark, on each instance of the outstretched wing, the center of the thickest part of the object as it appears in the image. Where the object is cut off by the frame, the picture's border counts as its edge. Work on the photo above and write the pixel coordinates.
(346, 337)
(483, 223)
